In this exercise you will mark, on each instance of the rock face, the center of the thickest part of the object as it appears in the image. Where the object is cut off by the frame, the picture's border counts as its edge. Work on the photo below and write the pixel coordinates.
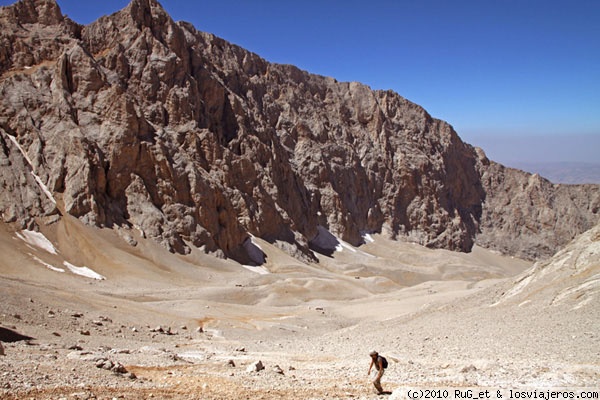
(138, 121)
(527, 216)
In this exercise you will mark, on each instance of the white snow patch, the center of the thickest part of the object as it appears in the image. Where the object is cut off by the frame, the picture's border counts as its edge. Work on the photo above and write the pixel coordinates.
(44, 187)
(83, 271)
(328, 241)
(259, 270)
(49, 266)
(35, 176)
(37, 239)
(368, 238)
(343, 245)
(252, 238)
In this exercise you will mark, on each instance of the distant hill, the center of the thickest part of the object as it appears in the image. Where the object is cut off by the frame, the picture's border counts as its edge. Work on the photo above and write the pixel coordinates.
(563, 172)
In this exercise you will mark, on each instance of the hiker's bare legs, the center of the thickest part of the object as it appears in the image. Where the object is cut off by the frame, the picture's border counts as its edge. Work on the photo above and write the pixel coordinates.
(377, 381)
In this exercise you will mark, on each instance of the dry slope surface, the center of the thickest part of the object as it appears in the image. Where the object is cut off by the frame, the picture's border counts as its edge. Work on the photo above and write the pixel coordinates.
(442, 319)
(137, 130)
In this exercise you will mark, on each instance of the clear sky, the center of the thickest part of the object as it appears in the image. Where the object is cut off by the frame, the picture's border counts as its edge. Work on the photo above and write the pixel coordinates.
(519, 78)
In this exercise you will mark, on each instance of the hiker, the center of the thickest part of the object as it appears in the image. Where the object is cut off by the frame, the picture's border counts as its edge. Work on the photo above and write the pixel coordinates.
(380, 365)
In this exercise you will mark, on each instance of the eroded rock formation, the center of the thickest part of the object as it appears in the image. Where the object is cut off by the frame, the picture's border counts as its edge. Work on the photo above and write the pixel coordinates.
(139, 121)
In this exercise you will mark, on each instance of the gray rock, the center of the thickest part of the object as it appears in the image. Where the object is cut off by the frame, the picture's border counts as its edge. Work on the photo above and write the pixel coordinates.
(255, 367)
(119, 368)
(227, 145)
(100, 362)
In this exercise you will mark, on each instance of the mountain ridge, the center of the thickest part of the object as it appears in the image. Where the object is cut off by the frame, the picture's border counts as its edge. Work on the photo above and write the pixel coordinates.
(141, 122)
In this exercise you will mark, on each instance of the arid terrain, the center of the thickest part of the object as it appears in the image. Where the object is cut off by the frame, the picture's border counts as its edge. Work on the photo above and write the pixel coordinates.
(190, 327)
(183, 219)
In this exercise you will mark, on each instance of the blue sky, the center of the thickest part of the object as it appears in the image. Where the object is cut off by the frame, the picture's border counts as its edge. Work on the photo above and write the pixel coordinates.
(519, 78)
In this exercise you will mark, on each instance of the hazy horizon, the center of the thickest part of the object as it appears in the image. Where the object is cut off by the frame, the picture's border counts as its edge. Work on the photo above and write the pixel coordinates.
(510, 149)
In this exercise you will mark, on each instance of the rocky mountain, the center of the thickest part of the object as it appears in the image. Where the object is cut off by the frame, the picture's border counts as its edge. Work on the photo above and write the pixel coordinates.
(528, 216)
(139, 122)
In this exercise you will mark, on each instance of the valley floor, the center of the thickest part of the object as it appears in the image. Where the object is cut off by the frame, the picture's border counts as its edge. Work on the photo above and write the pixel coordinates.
(168, 327)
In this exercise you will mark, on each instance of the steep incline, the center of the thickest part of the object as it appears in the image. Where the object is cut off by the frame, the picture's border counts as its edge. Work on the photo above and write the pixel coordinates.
(571, 277)
(528, 216)
(138, 121)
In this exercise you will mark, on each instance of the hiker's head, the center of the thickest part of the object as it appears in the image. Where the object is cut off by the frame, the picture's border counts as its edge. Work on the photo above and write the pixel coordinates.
(373, 354)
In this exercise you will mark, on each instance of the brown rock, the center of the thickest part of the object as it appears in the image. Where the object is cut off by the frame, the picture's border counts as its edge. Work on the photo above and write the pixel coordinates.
(527, 216)
(256, 366)
(138, 121)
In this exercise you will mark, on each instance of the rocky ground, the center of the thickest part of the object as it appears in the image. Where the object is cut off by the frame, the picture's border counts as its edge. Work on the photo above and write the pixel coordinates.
(191, 149)
(311, 327)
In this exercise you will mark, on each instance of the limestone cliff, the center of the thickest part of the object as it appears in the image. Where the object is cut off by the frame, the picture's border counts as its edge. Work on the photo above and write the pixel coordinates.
(141, 122)
(528, 216)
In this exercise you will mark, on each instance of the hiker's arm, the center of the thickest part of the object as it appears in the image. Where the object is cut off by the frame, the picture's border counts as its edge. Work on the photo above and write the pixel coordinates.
(370, 365)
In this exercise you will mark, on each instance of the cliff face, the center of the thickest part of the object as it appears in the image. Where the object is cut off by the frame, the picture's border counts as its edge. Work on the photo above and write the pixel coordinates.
(137, 121)
(527, 216)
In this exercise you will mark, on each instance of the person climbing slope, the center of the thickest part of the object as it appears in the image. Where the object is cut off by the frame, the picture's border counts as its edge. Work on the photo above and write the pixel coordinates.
(380, 365)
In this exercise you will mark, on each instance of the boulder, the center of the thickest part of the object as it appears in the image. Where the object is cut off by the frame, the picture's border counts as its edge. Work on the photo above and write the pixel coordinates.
(255, 367)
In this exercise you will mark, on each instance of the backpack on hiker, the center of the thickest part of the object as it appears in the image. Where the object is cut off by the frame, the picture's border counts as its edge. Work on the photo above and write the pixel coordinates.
(384, 362)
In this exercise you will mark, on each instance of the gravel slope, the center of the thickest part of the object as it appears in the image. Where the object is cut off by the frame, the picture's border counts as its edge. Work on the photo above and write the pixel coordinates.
(189, 328)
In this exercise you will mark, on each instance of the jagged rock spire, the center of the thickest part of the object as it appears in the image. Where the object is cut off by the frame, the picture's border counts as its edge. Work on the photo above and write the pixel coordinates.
(148, 13)
(138, 121)
(45, 12)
